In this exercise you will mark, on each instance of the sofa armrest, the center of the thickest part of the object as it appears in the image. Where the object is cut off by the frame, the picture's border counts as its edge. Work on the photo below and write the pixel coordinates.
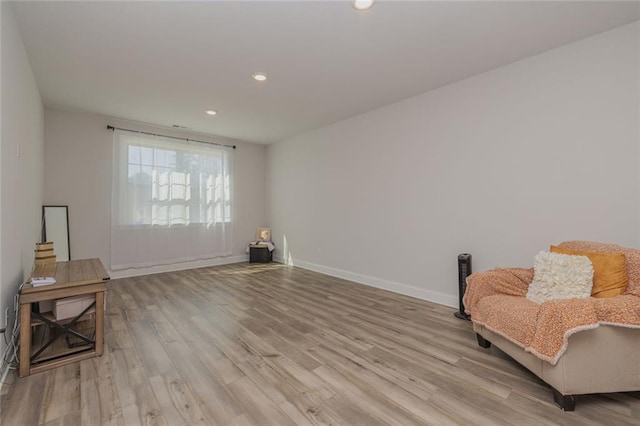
(499, 281)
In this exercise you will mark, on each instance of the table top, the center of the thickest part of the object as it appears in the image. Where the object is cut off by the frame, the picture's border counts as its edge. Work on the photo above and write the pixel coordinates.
(68, 274)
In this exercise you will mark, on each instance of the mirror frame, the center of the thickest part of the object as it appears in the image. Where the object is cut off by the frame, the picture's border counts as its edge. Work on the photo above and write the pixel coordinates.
(44, 226)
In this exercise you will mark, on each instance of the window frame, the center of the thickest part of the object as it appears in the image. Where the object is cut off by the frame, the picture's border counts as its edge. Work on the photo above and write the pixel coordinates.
(184, 151)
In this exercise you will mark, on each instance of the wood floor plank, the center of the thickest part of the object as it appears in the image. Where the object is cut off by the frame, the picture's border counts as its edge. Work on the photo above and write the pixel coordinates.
(214, 400)
(258, 344)
(138, 403)
(347, 413)
(242, 420)
(163, 328)
(99, 399)
(24, 404)
(373, 403)
(256, 404)
(61, 393)
(149, 348)
(95, 409)
(399, 378)
(368, 380)
(71, 419)
(178, 404)
(287, 393)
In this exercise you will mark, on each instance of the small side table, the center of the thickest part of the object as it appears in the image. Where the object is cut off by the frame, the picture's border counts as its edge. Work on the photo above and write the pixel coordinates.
(73, 278)
(259, 253)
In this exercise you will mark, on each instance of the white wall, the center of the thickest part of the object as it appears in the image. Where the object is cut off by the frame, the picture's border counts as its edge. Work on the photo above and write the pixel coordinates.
(78, 149)
(21, 156)
(499, 165)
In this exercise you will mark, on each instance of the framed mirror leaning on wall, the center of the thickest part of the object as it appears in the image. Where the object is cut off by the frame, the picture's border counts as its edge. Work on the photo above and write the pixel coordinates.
(55, 228)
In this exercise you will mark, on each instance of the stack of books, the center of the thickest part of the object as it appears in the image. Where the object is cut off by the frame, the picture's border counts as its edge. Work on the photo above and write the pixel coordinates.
(44, 254)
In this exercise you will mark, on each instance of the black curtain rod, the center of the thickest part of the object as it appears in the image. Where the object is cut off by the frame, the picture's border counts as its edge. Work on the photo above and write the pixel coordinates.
(171, 137)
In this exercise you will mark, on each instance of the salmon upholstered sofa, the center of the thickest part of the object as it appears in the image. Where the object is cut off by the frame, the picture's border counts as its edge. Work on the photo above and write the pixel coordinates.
(577, 346)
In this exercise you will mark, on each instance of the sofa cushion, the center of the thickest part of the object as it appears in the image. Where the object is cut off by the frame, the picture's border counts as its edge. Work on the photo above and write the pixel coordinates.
(609, 271)
(560, 276)
(632, 254)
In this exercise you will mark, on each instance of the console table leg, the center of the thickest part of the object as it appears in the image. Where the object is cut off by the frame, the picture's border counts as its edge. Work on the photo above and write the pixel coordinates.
(25, 339)
(99, 322)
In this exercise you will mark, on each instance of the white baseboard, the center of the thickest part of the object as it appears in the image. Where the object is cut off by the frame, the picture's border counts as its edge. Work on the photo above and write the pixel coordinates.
(134, 272)
(404, 289)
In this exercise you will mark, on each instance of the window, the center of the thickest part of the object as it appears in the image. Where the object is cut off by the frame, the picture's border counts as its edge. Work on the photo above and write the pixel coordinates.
(163, 183)
(173, 183)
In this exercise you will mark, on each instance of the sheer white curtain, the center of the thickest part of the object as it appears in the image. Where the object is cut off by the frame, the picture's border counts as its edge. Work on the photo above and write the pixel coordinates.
(171, 200)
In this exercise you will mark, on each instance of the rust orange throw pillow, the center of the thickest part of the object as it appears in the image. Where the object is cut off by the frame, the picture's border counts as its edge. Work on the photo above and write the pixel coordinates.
(609, 271)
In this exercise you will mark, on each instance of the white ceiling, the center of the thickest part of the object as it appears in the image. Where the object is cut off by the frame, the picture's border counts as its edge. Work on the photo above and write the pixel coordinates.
(166, 62)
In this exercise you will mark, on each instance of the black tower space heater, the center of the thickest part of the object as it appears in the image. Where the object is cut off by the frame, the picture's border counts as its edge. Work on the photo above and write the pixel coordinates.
(464, 270)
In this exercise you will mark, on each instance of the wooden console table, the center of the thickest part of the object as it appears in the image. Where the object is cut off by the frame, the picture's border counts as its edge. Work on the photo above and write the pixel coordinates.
(73, 278)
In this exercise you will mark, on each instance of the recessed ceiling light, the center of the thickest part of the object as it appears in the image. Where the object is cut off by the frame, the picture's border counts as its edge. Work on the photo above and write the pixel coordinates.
(259, 76)
(211, 112)
(363, 4)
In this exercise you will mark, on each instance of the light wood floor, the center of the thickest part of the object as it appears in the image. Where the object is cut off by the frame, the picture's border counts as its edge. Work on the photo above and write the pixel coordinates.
(274, 345)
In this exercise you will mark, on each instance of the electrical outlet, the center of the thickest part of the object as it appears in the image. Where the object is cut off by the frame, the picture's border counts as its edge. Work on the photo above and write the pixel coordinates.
(3, 327)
